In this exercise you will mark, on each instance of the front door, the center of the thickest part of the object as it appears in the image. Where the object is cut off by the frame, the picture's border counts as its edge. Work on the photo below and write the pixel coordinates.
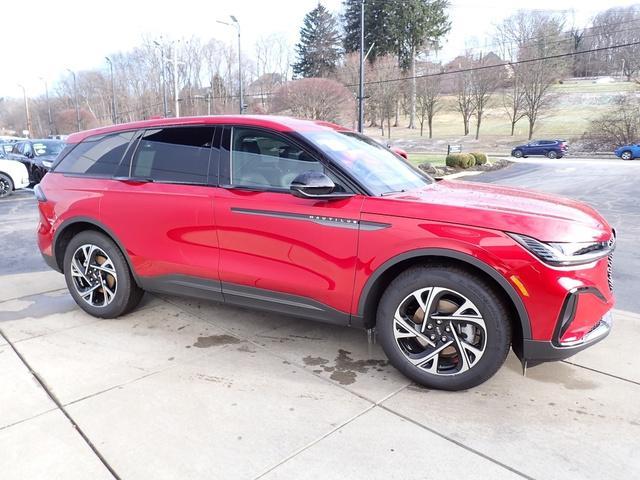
(278, 251)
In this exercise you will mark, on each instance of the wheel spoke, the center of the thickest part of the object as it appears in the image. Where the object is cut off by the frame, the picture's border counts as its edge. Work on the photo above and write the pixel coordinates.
(434, 354)
(461, 352)
(410, 331)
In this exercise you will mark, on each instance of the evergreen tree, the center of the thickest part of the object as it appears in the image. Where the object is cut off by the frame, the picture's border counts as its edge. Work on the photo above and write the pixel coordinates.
(378, 27)
(319, 48)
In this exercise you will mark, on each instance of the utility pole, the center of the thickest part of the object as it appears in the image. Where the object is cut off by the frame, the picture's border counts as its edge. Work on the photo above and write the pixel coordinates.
(237, 24)
(46, 95)
(75, 93)
(175, 80)
(361, 76)
(26, 110)
(165, 107)
(114, 114)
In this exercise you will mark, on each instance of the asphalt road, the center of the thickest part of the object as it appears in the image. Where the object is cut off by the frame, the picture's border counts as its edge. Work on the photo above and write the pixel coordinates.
(611, 186)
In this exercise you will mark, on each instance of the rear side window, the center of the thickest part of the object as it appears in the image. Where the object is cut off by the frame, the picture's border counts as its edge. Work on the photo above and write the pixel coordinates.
(97, 157)
(174, 155)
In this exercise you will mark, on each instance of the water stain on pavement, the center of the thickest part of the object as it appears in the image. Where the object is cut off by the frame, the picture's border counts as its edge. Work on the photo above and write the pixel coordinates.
(345, 369)
(37, 306)
(215, 340)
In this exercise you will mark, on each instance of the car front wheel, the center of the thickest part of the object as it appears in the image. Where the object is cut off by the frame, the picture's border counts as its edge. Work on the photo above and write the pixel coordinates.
(626, 155)
(98, 276)
(443, 327)
(517, 153)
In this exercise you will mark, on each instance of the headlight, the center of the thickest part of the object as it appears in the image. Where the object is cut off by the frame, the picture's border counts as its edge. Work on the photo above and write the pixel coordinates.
(564, 253)
(47, 164)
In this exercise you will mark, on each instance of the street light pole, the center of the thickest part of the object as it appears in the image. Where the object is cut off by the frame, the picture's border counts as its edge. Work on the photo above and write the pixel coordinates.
(175, 79)
(237, 24)
(75, 93)
(165, 108)
(361, 76)
(26, 110)
(114, 115)
(46, 95)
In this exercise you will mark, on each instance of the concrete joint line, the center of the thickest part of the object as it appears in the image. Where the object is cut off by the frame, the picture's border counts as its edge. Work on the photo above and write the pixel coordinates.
(60, 407)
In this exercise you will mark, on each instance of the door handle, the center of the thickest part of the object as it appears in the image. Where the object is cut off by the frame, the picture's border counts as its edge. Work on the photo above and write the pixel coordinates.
(134, 179)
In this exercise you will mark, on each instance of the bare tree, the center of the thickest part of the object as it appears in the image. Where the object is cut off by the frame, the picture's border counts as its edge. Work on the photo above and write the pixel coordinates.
(513, 98)
(618, 127)
(314, 98)
(384, 92)
(463, 89)
(428, 101)
(484, 83)
(607, 32)
(532, 35)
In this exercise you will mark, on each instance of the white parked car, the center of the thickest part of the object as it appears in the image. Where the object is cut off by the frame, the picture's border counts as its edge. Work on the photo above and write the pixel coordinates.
(13, 176)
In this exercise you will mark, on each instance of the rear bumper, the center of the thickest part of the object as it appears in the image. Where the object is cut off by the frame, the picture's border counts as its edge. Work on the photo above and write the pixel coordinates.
(536, 351)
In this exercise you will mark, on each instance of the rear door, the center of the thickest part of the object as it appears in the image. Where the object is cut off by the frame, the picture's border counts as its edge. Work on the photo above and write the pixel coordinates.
(160, 205)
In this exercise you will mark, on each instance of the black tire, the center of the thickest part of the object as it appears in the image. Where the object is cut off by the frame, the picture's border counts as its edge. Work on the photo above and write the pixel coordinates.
(552, 154)
(626, 155)
(6, 185)
(127, 293)
(517, 154)
(487, 301)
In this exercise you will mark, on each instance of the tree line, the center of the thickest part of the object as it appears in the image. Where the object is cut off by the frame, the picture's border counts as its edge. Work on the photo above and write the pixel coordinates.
(405, 84)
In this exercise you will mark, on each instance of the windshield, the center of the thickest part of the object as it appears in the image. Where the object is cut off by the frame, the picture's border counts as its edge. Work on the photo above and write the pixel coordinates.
(375, 166)
(47, 147)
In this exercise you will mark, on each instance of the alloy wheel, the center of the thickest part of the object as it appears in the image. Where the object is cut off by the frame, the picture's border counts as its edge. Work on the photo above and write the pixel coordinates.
(94, 275)
(440, 331)
(626, 155)
(5, 186)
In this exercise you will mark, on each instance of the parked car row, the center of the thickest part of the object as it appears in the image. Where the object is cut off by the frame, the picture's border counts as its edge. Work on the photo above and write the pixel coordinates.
(24, 162)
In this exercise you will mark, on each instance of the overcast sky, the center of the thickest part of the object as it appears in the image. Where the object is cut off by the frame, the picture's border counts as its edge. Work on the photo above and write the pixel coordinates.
(45, 37)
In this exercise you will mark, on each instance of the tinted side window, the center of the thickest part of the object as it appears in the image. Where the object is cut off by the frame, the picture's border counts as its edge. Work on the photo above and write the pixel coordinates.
(96, 157)
(263, 159)
(174, 155)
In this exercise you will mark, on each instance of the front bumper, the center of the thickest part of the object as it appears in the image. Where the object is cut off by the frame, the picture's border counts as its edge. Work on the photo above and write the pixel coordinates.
(537, 351)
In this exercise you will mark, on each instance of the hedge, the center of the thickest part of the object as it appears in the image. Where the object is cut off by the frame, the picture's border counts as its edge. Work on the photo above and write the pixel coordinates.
(460, 160)
(481, 158)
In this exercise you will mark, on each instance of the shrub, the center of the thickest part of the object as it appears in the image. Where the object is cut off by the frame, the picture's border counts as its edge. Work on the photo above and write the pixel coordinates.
(460, 160)
(481, 158)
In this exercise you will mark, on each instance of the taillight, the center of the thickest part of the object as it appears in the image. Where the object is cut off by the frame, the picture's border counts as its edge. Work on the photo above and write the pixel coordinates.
(39, 194)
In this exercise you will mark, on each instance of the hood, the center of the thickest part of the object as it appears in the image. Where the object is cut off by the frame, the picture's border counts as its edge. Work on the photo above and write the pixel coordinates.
(548, 218)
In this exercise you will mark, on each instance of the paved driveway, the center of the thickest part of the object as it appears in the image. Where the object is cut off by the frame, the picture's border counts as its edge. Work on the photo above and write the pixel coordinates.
(192, 389)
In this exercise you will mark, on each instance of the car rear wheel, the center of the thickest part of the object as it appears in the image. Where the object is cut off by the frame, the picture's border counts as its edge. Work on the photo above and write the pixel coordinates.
(552, 154)
(626, 155)
(98, 276)
(517, 153)
(6, 185)
(443, 327)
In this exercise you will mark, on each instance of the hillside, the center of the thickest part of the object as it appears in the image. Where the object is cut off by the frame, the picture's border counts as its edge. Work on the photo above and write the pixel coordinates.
(574, 104)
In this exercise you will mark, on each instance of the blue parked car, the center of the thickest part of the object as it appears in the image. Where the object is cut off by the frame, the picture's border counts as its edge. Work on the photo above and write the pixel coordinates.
(628, 152)
(548, 148)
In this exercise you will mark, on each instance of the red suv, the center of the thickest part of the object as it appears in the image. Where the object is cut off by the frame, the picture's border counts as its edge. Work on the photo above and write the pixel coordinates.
(312, 220)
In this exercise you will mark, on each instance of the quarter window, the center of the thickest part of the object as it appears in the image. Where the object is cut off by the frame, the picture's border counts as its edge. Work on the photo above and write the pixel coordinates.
(97, 156)
(174, 155)
(265, 160)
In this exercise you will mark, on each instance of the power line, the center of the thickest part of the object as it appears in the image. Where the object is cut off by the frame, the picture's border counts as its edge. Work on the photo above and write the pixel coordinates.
(498, 65)
(542, 37)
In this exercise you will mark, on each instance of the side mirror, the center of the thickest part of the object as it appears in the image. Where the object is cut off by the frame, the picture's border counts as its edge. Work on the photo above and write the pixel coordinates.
(316, 185)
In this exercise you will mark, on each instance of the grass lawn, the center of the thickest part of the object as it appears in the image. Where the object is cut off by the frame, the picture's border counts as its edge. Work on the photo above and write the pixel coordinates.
(432, 158)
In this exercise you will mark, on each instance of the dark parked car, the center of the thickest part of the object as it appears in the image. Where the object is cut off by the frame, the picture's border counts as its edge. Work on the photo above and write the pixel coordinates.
(548, 148)
(312, 220)
(628, 152)
(37, 155)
